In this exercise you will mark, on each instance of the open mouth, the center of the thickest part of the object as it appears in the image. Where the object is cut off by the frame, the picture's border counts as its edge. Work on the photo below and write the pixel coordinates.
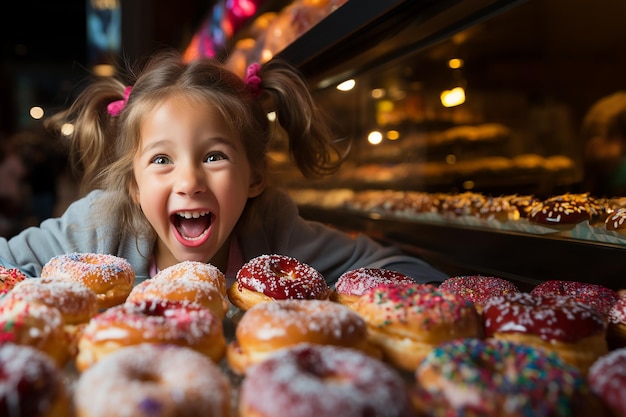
(192, 225)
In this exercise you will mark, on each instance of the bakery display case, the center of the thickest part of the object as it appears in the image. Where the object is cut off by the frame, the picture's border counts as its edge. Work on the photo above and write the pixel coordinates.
(488, 98)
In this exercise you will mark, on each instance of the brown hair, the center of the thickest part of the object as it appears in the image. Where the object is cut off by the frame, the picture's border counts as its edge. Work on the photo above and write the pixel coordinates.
(102, 146)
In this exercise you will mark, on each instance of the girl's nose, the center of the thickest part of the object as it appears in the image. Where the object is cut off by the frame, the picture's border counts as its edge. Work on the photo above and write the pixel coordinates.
(190, 180)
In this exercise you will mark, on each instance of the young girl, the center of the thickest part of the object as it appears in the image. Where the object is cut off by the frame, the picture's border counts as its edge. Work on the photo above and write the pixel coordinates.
(174, 169)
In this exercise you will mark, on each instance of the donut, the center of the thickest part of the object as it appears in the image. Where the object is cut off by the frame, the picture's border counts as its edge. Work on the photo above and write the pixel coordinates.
(109, 276)
(31, 384)
(616, 221)
(597, 296)
(477, 288)
(34, 324)
(524, 203)
(564, 212)
(151, 322)
(276, 277)
(351, 285)
(314, 380)
(497, 378)
(559, 323)
(195, 269)
(9, 277)
(407, 321)
(186, 289)
(616, 326)
(268, 327)
(153, 380)
(607, 380)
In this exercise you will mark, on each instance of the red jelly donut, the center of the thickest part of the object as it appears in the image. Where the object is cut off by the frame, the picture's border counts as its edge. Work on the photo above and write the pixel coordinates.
(31, 384)
(497, 378)
(9, 277)
(554, 323)
(276, 277)
(314, 380)
(597, 296)
(607, 380)
(109, 276)
(353, 284)
(153, 380)
(407, 321)
(478, 288)
(151, 322)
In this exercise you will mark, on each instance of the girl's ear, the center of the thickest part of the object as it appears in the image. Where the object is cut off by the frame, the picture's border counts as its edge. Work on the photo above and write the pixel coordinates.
(257, 184)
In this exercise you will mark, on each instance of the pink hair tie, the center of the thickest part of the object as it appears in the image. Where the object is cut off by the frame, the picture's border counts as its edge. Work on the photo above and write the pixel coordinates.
(114, 108)
(253, 80)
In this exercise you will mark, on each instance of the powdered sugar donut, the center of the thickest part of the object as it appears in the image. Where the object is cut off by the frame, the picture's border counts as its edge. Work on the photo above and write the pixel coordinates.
(353, 284)
(268, 327)
(478, 288)
(194, 270)
(616, 327)
(276, 277)
(153, 380)
(311, 380)
(607, 380)
(109, 276)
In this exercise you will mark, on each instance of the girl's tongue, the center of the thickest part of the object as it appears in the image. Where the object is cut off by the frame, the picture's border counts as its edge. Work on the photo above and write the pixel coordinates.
(192, 228)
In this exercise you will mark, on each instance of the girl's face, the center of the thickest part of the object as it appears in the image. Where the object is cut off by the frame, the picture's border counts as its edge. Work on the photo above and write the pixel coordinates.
(193, 180)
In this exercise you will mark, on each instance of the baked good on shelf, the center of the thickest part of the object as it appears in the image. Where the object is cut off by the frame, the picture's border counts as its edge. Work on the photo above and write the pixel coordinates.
(616, 327)
(478, 288)
(153, 380)
(194, 270)
(170, 322)
(276, 277)
(407, 321)
(563, 212)
(34, 324)
(554, 323)
(31, 384)
(607, 380)
(616, 221)
(351, 285)
(311, 380)
(109, 276)
(497, 378)
(597, 296)
(268, 327)
(9, 277)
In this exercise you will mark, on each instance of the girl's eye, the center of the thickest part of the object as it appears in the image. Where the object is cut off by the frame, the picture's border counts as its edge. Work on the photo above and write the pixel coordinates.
(161, 160)
(215, 156)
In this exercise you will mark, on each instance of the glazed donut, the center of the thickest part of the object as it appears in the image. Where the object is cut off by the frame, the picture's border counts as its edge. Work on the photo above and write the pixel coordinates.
(109, 276)
(496, 378)
(563, 212)
(195, 269)
(616, 221)
(597, 296)
(31, 384)
(407, 321)
(9, 277)
(186, 289)
(352, 284)
(153, 380)
(310, 380)
(267, 327)
(276, 277)
(477, 288)
(151, 322)
(607, 380)
(34, 324)
(616, 326)
(558, 323)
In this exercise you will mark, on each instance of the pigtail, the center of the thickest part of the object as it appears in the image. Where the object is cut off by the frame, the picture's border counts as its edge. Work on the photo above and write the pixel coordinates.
(310, 138)
(92, 142)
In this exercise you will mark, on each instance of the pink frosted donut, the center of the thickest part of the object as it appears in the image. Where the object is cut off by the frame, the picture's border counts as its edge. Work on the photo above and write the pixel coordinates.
(616, 327)
(31, 384)
(130, 324)
(353, 284)
(276, 277)
(153, 380)
(109, 276)
(607, 380)
(597, 296)
(478, 288)
(314, 380)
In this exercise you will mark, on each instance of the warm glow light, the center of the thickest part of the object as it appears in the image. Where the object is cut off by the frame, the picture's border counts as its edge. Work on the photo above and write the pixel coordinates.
(104, 70)
(67, 129)
(271, 116)
(346, 85)
(468, 185)
(455, 63)
(375, 137)
(450, 159)
(454, 97)
(378, 93)
(393, 135)
(36, 112)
